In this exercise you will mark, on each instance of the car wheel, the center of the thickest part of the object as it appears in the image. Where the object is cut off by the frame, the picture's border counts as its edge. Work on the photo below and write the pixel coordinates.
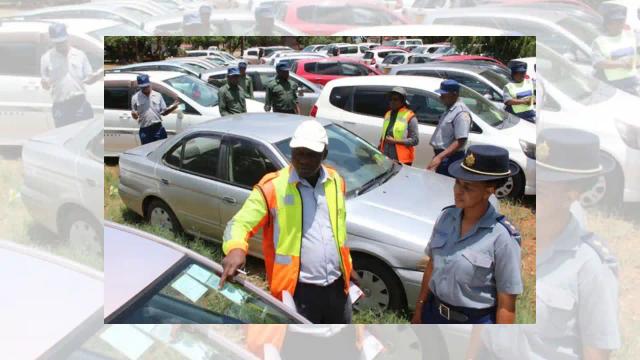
(410, 342)
(159, 214)
(607, 191)
(382, 288)
(79, 227)
(513, 188)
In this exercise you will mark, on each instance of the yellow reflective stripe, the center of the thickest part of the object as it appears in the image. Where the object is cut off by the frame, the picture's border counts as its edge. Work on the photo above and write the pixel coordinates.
(514, 89)
(236, 234)
(608, 45)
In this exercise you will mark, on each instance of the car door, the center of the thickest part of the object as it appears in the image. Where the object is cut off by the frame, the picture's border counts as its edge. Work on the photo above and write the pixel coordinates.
(120, 129)
(245, 163)
(25, 106)
(189, 182)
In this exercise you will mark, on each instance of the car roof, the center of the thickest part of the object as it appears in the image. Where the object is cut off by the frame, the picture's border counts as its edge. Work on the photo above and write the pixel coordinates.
(500, 11)
(328, 59)
(266, 127)
(56, 293)
(440, 65)
(132, 263)
(422, 82)
(153, 75)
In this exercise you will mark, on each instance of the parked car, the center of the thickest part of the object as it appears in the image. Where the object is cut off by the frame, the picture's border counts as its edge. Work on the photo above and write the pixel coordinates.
(250, 55)
(25, 108)
(346, 50)
(171, 284)
(313, 48)
(321, 71)
(330, 16)
(222, 23)
(431, 48)
(290, 58)
(260, 75)
(215, 53)
(393, 60)
(469, 58)
(88, 11)
(403, 43)
(198, 180)
(270, 56)
(166, 65)
(359, 104)
(200, 102)
(377, 55)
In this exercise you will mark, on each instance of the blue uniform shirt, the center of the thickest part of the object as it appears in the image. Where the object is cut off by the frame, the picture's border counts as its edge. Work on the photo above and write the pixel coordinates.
(454, 124)
(469, 271)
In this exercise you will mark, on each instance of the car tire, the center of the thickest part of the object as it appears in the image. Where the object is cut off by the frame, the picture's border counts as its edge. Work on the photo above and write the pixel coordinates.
(607, 192)
(513, 188)
(158, 213)
(383, 290)
(78, 226)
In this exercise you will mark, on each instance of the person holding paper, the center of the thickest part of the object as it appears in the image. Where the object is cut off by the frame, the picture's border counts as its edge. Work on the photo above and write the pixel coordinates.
(518, 95)
(148, 107)
(301, 210)
(473, 273)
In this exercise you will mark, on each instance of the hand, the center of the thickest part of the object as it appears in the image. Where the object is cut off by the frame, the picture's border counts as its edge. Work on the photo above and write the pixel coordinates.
(355, 278)
(134, 114)
(417, 315)
(390, 140)
(176, 102)
(267, 108)
(434, 163)
(234, 260)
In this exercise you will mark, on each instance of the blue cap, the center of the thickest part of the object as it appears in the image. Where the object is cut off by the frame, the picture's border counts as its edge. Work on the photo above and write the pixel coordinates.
(448, 86)
(242, 64)
(283, 66)
(518, 67)
(58, 32)
(143, 80)
(264, 11)
(233, 71)
(613, 12)
(190, 19)
(205, 9)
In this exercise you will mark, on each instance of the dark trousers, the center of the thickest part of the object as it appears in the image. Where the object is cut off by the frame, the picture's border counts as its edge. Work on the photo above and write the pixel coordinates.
(71, 110)
(341, 345)
(323, 304)
(152, 133)
(443, 168)
(431, 315)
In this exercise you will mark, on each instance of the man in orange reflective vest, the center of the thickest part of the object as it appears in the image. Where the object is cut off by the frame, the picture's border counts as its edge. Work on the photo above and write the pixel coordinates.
(399, 129)
(301, 210)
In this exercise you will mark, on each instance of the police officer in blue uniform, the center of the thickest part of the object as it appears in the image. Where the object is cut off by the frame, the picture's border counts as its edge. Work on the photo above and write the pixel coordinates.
(450, 137)
(473, 273)
(576, 272)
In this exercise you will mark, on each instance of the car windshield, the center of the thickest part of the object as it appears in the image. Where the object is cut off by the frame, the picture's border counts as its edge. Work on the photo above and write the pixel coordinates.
(195, 89)
(483, 108)
(567, 78)
(355, 159)
(584, 30)
(117, 30)
(195, 68)
(443, 50)
(190, 294)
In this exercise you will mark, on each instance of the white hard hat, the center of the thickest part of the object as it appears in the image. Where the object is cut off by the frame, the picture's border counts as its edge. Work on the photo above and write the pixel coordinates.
(311, 135)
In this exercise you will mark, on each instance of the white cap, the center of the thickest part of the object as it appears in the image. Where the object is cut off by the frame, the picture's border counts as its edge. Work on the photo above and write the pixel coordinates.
(311, 135)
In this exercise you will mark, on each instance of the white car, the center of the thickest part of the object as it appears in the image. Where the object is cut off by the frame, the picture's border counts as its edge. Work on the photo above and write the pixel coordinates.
(403, 42)
(270, 56)
(346, 50)
(376, 56)
(393, 60)
(359, 104)
(200, 102)
(250, 55)
(25, 106)
(214, 53)
(313, 48)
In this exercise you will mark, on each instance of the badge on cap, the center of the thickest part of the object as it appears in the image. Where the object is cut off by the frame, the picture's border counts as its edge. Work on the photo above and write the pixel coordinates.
(469, 160)
(542, 151)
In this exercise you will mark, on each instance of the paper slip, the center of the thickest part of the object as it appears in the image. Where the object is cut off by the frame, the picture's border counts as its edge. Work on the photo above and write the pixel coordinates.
(189, 287)
(371, 346)
(355, 293)
(130, 341)
(287, 300)
(199, 273)
(228, 291)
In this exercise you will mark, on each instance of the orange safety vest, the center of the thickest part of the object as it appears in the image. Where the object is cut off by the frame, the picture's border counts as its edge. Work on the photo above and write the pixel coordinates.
(406, 154)
(275, 205)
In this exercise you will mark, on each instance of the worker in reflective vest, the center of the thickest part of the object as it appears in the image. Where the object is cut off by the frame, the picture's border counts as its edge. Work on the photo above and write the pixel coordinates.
(614, 54)
(399, 129)
(301, 210)
(519, 94)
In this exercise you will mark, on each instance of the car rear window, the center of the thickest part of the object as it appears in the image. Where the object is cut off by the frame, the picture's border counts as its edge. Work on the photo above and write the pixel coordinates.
(348, 50)
(368, 55)
(340, 97)
(371, 100)
(322, 68)
(393, 59)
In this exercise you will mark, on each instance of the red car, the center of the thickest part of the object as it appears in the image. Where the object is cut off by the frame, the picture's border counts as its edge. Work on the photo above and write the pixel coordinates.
(323, 70)
(326, 17)
(464, 58)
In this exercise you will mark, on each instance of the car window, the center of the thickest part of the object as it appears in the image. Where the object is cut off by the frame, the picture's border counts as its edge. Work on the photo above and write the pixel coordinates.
(262, 79)
(117, 98)
(196, 89)
(483, 108)
(340, 97)
(363, 49)
(172, 157)
(349, 69)
(200, 155)
(394, 59)
(28, 53)
(419, 60)
(371, 100)
(368, 55)
(247, 164)
(425, 105)
(323, 68)
(301, 86)
(252, 53)
(190, 294)
(474, 84)
(217, 80)
(348, 50)
(431, 73)
(169, 98)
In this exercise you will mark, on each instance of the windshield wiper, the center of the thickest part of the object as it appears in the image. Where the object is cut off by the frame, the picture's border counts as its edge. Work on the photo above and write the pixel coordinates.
(377, 180)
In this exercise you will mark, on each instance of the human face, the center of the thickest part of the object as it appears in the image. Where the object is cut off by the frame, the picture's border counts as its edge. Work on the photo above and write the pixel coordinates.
(306, 161)
(243, 71)
(448, 99)
(396, 101)
(518, 76)
(62, 47)
(471, 194)
(233, 80)
(283, 74)
(615, 27)
(146, 90)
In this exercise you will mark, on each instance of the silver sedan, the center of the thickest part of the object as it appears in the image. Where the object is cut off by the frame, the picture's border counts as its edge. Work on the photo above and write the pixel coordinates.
(198, 180)
(260, 75)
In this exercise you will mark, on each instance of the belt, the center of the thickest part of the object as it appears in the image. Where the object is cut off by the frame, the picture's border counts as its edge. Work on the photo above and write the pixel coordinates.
(458, 313)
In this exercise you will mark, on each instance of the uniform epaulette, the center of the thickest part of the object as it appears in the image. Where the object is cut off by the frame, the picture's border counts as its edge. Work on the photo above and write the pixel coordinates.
(515, 234)
(600, 247)
(448, 207)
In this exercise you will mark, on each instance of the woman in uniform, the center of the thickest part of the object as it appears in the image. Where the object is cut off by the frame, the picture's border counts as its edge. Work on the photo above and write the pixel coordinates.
(473, 273)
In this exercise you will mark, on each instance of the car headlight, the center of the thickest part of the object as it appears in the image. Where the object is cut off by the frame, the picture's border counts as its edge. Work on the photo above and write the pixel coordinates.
(630, 134)
(528, 148)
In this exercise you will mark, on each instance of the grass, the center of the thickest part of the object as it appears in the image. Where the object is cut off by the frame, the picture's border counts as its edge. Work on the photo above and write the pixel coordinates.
(520, 214)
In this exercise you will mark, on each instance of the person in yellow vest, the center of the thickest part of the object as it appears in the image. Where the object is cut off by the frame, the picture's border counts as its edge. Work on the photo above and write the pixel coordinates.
(614, 54)
(301, 211)
(518, 95)
(399, 129)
